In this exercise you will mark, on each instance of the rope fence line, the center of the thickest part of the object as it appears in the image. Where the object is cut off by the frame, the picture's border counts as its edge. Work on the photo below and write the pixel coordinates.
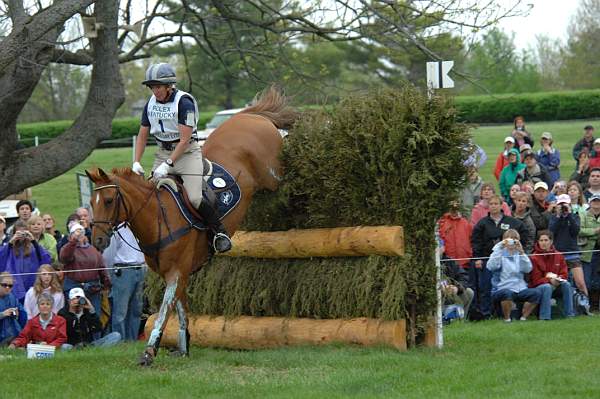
(83, 270)
(527, 255)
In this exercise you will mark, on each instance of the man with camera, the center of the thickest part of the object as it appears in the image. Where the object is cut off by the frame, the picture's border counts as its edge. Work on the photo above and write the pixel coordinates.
(12, 314)
(565, 225)
(83, 322)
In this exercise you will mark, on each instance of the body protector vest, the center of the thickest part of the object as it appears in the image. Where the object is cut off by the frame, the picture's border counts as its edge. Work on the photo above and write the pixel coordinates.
(164, 117)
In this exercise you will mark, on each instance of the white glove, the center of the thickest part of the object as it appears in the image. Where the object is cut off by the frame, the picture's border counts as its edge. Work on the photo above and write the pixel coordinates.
(161, 171)
(137, 168)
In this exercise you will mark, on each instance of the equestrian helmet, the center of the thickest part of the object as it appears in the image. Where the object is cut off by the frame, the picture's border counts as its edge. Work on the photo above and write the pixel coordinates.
(162, 73)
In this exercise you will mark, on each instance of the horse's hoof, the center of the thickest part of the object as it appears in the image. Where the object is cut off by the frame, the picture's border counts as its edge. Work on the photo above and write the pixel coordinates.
(178, 353)
(146, 359)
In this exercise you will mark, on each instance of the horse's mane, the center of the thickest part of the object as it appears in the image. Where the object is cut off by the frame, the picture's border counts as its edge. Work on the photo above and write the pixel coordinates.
(98, 176)
(272, 104)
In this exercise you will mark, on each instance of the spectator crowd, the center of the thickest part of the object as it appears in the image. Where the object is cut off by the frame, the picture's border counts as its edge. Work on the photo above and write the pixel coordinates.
(530, 248)
(58, 289)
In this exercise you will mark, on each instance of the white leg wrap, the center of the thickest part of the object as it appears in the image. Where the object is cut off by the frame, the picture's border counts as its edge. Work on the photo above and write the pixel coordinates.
(159, 324)
(182, 341)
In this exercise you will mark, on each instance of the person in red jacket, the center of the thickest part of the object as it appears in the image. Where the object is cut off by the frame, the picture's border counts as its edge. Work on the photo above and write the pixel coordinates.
(455, 230)
(84, 267)
(45, 328)
(502, 160)
(549, 275)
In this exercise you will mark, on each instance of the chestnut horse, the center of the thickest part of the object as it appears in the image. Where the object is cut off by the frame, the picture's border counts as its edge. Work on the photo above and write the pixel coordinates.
(248, 146)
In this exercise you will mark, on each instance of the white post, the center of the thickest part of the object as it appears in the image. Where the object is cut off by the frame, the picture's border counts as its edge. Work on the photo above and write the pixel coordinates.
(439, 331)
(36, 141)
(133, 141)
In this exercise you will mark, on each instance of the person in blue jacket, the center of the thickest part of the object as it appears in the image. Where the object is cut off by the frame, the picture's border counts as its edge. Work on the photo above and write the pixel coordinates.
(22, 257)
(508, 265)
(12, 314)
(549, 156)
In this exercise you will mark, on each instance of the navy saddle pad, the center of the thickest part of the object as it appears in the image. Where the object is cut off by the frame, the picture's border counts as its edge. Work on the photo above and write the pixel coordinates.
(226, 189)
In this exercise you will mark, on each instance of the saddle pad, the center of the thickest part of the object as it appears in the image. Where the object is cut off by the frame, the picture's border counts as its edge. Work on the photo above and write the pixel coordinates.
(227, 192)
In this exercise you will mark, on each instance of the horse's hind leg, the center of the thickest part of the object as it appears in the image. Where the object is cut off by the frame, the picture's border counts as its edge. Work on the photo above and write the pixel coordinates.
(184, 335)
(159, 325)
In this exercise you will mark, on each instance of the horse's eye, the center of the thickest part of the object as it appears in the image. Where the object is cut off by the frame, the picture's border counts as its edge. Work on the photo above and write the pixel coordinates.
(108, 201)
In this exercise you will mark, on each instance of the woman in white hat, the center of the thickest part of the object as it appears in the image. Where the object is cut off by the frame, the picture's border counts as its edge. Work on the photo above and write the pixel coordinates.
(549, 157)
(502, 160)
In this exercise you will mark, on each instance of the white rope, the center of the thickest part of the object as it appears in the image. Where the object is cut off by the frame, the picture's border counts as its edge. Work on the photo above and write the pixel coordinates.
(538, 254)
(82, 270)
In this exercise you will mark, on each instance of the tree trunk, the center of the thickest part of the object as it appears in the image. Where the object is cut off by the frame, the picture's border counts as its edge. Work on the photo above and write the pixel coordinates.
(24, 168)
(246, 332)
(308, 243)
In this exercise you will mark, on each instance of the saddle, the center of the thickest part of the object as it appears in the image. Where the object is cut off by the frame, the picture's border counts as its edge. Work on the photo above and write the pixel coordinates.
(219, 189)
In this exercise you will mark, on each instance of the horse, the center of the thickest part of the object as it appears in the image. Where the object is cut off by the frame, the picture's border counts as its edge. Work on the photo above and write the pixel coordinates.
(248, 146)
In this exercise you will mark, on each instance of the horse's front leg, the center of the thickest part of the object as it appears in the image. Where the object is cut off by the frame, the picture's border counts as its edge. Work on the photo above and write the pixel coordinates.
(159, 325)
(183, 341)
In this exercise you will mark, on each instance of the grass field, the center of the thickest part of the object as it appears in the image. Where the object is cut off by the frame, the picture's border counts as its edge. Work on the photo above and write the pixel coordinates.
(531, 359)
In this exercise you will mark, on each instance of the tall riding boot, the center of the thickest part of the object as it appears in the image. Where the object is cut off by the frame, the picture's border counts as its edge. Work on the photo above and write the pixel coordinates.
(221, 240)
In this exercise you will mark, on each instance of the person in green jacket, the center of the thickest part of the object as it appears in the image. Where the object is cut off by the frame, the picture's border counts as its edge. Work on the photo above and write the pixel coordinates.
(508, 176)
(588, 237)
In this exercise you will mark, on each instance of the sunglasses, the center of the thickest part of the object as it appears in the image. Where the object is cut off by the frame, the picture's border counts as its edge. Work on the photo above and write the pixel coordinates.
(6, 285)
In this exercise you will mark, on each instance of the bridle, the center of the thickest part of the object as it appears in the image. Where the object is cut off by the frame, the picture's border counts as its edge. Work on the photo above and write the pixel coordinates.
(115, 224)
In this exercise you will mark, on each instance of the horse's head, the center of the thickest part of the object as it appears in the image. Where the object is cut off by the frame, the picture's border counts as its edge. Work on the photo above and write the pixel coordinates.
(108, 207)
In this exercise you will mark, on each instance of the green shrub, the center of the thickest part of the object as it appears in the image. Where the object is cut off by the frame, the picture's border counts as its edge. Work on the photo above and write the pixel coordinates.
(389, 157)
(582, 104)
(121, 128)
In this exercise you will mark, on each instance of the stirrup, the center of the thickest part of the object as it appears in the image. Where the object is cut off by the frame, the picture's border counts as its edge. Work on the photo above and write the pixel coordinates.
(221, 242)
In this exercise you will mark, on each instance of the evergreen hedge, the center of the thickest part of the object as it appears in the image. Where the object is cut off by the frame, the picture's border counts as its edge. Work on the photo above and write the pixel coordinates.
(121, 128)
(581, 104)
(388, 157)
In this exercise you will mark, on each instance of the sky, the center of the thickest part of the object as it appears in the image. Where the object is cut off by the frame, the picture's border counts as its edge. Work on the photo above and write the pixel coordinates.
(549, 17)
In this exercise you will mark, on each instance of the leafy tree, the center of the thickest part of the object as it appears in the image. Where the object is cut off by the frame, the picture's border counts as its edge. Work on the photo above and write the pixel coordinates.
(579, 69)
(499, 68)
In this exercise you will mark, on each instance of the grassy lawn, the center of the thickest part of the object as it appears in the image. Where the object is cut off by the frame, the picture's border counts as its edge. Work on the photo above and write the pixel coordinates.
(491, 359)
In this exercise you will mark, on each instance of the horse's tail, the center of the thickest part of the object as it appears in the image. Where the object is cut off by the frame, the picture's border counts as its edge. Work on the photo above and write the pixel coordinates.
(272, 104)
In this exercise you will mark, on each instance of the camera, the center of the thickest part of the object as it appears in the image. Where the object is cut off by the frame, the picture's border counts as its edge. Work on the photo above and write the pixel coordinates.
(82, 301)
(564, 209)
(520, 128)
(510, 241)
(13, 313)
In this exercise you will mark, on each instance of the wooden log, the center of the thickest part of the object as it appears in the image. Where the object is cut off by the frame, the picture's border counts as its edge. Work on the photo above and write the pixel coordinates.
(340, 241)
(246, 332)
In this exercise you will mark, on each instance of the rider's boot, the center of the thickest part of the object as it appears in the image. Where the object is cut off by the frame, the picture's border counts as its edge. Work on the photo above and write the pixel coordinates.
(221, 241)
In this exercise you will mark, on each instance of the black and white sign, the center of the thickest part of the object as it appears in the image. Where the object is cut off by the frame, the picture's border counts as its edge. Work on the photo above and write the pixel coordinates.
(437, 75)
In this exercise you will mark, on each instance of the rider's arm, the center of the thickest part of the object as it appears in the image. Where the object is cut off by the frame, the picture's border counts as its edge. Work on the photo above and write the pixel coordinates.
(185, 135)
(142, 138)
(186, 123)
(140, 144)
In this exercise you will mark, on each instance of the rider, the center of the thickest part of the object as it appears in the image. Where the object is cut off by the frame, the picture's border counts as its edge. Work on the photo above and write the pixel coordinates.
(171, 116)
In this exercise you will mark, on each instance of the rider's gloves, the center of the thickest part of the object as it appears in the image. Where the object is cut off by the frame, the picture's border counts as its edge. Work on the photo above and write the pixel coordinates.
(161, 171)
(137, 168)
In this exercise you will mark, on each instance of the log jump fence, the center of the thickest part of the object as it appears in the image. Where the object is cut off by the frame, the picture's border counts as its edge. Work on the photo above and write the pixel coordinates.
(249, 332)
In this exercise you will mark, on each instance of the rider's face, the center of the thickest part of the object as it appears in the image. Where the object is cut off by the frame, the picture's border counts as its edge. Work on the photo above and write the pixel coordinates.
(161, 92)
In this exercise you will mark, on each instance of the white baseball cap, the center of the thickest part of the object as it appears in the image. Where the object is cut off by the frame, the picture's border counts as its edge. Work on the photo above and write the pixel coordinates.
(540, 184)
(509, 138)
(76, 292)
(74, 227)
(563, 199)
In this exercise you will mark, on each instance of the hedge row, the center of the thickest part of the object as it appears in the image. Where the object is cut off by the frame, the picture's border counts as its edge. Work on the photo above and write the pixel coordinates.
(582, 104)
(388, 157)
(121, 128)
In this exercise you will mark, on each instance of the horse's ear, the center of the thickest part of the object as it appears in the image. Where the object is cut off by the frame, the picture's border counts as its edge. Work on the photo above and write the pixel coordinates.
(103, 175)
(90, 176)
